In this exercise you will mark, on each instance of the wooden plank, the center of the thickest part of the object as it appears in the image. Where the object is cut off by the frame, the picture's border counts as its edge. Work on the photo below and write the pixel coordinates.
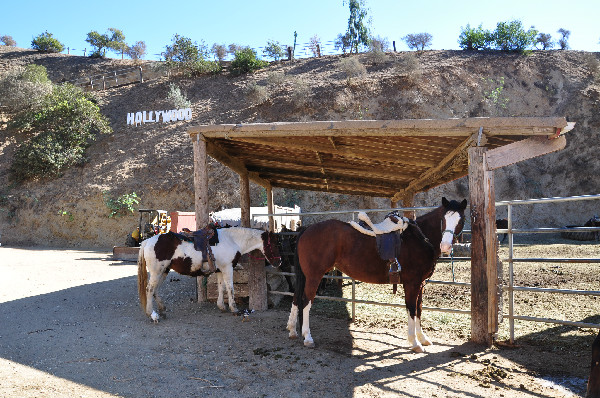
(430, 176)
(405, 127)
(201, 198)
(339, 150)
(523, 150)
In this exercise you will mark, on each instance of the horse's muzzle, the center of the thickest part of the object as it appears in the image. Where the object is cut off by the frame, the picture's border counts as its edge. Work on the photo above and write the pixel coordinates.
(445, 247)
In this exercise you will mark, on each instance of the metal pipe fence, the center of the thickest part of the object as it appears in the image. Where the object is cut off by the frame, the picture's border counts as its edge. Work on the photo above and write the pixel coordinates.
(510, 288)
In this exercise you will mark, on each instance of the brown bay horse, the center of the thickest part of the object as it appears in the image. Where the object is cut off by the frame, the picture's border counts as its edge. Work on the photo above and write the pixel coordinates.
(334, 243)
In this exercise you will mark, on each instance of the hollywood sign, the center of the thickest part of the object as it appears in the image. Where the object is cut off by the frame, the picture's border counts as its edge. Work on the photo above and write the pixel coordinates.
(135, 118)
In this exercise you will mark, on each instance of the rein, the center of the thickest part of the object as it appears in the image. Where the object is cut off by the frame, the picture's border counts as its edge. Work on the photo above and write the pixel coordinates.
(421, 235)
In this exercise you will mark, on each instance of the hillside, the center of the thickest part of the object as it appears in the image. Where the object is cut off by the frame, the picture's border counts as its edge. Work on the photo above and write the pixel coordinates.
(155, 161)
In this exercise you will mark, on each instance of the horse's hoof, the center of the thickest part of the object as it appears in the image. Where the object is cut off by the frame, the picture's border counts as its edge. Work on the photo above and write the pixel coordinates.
(154, 316)
(309, 344)
(293, 336)
(417, 348)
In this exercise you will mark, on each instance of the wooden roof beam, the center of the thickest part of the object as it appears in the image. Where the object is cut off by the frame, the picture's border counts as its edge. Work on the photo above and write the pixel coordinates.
(234, 164)
(405, 127)
(426, 178)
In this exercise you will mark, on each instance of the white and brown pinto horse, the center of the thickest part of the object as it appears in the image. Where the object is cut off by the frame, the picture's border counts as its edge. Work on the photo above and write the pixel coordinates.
(162, 253)
(334, 243)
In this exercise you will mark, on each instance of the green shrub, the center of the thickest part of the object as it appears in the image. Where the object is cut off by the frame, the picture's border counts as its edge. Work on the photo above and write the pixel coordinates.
(24, 88)
(62, 127)
(352, 67)
(45, 43)
(122, 205)
(475, 38)
(177, 98)
(257, 94)
(508, 36)
(245, 61)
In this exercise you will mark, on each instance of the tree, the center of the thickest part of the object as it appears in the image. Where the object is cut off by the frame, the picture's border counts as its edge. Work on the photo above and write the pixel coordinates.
(8, 41)
(188, 57)
(182, 50)
(314, 45)
(342, 42)
(219, 51)
(510, 36)
(274, 50)
(379, 43)
(563, 41)
(136, 51)
(45, 43)
(113, 39)
(418, 41)
(357, 33)
(475, 38)
(545, 40)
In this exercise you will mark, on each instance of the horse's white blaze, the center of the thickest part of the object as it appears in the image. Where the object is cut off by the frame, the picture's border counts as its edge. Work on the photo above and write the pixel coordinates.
(292, 320)
(308, 340)
(452, 220)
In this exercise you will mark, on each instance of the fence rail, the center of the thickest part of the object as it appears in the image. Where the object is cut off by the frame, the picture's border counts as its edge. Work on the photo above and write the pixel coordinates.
(511, 287)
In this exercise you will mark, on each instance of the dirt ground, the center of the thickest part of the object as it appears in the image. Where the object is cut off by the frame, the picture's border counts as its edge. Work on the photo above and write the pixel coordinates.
(72, 326)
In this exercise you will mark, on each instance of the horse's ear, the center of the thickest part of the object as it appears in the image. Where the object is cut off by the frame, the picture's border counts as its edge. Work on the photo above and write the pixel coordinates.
(463, 204)
(445, 202)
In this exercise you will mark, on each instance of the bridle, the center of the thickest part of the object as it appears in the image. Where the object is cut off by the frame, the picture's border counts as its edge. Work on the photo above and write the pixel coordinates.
(268, 250)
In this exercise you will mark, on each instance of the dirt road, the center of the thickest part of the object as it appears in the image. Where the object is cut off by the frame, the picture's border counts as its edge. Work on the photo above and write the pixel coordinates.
(71, 325)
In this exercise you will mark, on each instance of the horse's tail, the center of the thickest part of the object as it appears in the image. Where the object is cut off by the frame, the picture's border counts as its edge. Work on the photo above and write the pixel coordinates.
(142, 277)
(300, 280)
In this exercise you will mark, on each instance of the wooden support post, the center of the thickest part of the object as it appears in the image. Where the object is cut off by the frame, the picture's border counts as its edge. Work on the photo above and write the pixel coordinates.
(484, 249)
(257, 276)
(201, 198)
(271, 208)
(245, 200)
(408, 200)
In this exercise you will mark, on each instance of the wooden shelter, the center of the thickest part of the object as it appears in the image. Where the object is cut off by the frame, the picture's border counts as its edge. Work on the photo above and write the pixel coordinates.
(384, 158)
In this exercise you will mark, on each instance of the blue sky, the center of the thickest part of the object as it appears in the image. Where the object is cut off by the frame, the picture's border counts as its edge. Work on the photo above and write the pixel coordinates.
(254, 22)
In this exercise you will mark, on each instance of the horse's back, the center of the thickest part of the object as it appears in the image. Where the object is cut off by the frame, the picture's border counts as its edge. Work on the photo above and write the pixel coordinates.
(336, 243)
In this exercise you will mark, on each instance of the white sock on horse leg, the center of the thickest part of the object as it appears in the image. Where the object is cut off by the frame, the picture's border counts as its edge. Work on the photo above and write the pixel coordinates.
(412, 339)
(423, 339)
(220, 289)
(292, 320)
(308, 341)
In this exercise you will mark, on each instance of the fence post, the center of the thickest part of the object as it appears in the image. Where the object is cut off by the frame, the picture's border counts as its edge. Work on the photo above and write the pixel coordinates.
(103, 83)
(290, 52)
(394, 44)
(141, 76)
(201, 199)
(116, 81)
(92, 83)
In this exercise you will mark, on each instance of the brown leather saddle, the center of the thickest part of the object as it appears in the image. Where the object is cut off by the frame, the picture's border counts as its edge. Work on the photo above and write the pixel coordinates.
(203, 239)
(388, 244)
